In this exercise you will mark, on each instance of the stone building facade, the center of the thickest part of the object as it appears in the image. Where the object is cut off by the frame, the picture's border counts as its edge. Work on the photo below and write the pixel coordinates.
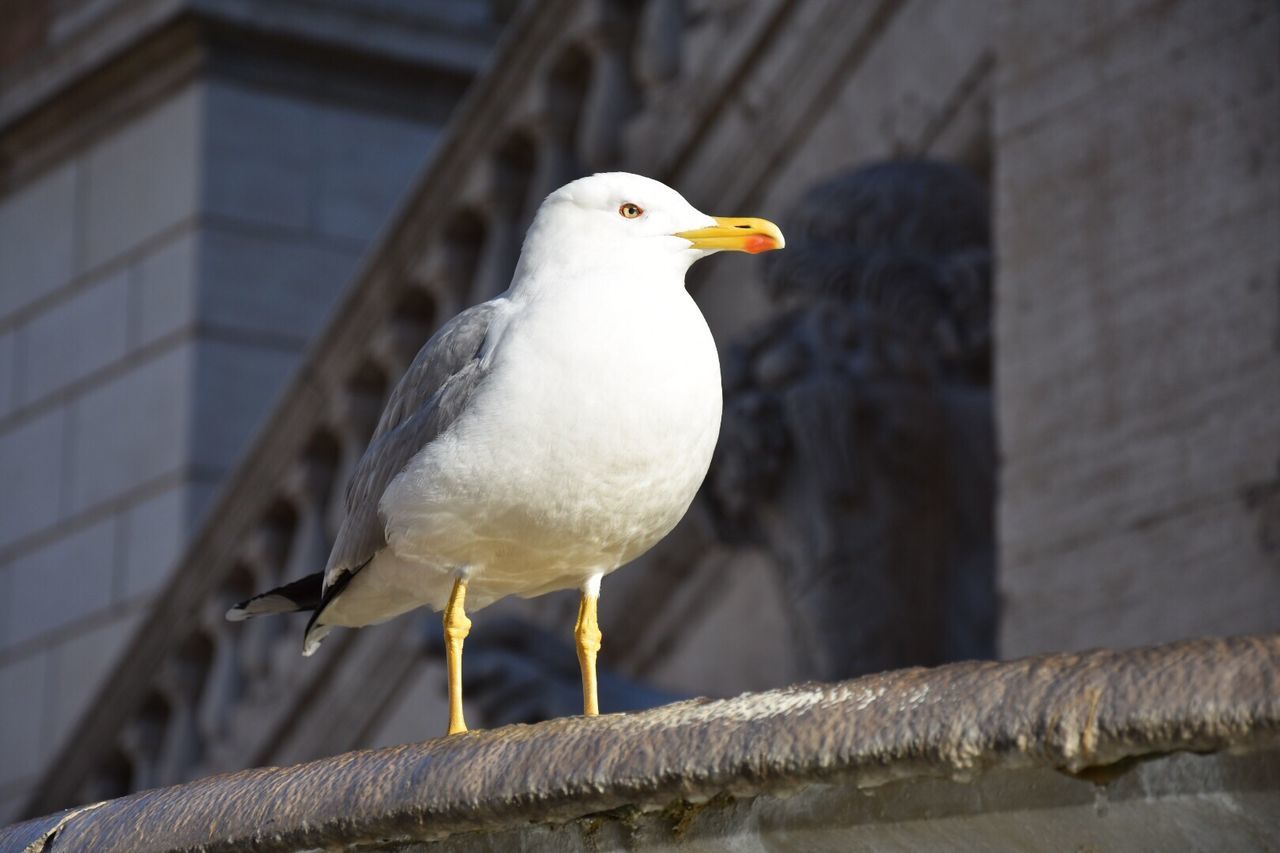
(1136, 231)
(1131, 154)
(186, 193)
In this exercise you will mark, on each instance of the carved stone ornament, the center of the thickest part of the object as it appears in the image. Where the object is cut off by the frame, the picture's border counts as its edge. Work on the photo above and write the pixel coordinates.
(857, 443)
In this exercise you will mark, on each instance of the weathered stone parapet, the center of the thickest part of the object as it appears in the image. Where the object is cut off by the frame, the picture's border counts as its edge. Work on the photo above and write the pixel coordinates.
(969, 741)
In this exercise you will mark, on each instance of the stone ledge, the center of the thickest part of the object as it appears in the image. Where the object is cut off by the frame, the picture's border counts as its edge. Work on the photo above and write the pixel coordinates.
(1095, 714)
(78, 41)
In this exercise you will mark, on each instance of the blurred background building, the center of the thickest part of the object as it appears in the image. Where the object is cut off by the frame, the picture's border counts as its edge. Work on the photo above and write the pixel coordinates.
(1013, 387)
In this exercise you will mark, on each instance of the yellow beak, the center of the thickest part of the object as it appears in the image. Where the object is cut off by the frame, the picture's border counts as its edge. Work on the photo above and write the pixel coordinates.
(737, 234)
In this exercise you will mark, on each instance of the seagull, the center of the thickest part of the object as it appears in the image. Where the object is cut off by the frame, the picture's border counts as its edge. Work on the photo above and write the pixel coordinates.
(544, 438)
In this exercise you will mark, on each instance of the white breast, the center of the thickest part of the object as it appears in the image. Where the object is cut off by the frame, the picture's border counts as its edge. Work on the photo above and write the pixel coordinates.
(584, 447)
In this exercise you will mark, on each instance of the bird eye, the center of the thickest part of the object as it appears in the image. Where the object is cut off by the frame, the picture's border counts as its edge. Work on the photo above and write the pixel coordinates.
(630, 211)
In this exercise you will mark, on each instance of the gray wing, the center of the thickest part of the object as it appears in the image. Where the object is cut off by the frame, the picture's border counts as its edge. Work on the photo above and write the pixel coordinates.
(429, 397)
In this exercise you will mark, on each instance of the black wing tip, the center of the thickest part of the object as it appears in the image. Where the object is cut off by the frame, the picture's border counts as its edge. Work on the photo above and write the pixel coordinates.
(316, 630)
(262, 605)
(301, 595)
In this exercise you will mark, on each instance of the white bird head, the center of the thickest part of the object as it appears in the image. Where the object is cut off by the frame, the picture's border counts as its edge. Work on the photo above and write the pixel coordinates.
(617, 218)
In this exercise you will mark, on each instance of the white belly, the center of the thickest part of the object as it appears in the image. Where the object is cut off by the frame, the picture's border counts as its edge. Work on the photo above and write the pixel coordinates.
(578, 454)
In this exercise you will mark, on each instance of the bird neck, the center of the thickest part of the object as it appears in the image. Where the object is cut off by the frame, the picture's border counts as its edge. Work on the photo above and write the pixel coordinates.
(548, 265)
(580, 277)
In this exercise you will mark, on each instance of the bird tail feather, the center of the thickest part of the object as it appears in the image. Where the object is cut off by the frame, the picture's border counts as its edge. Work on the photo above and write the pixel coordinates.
(301, 595)
(317, 630)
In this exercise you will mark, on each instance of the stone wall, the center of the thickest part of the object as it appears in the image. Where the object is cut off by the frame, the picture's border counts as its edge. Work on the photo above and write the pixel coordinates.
(159, 281)
(1132, 149)
(1138, 321)
(97, 281)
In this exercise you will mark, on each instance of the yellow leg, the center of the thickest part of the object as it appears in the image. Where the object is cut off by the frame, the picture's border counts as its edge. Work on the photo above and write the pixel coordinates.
(456, 628)
(587, 633)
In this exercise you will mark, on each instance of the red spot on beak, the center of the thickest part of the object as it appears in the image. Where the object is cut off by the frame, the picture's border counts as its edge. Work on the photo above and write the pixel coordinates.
(757, 243)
